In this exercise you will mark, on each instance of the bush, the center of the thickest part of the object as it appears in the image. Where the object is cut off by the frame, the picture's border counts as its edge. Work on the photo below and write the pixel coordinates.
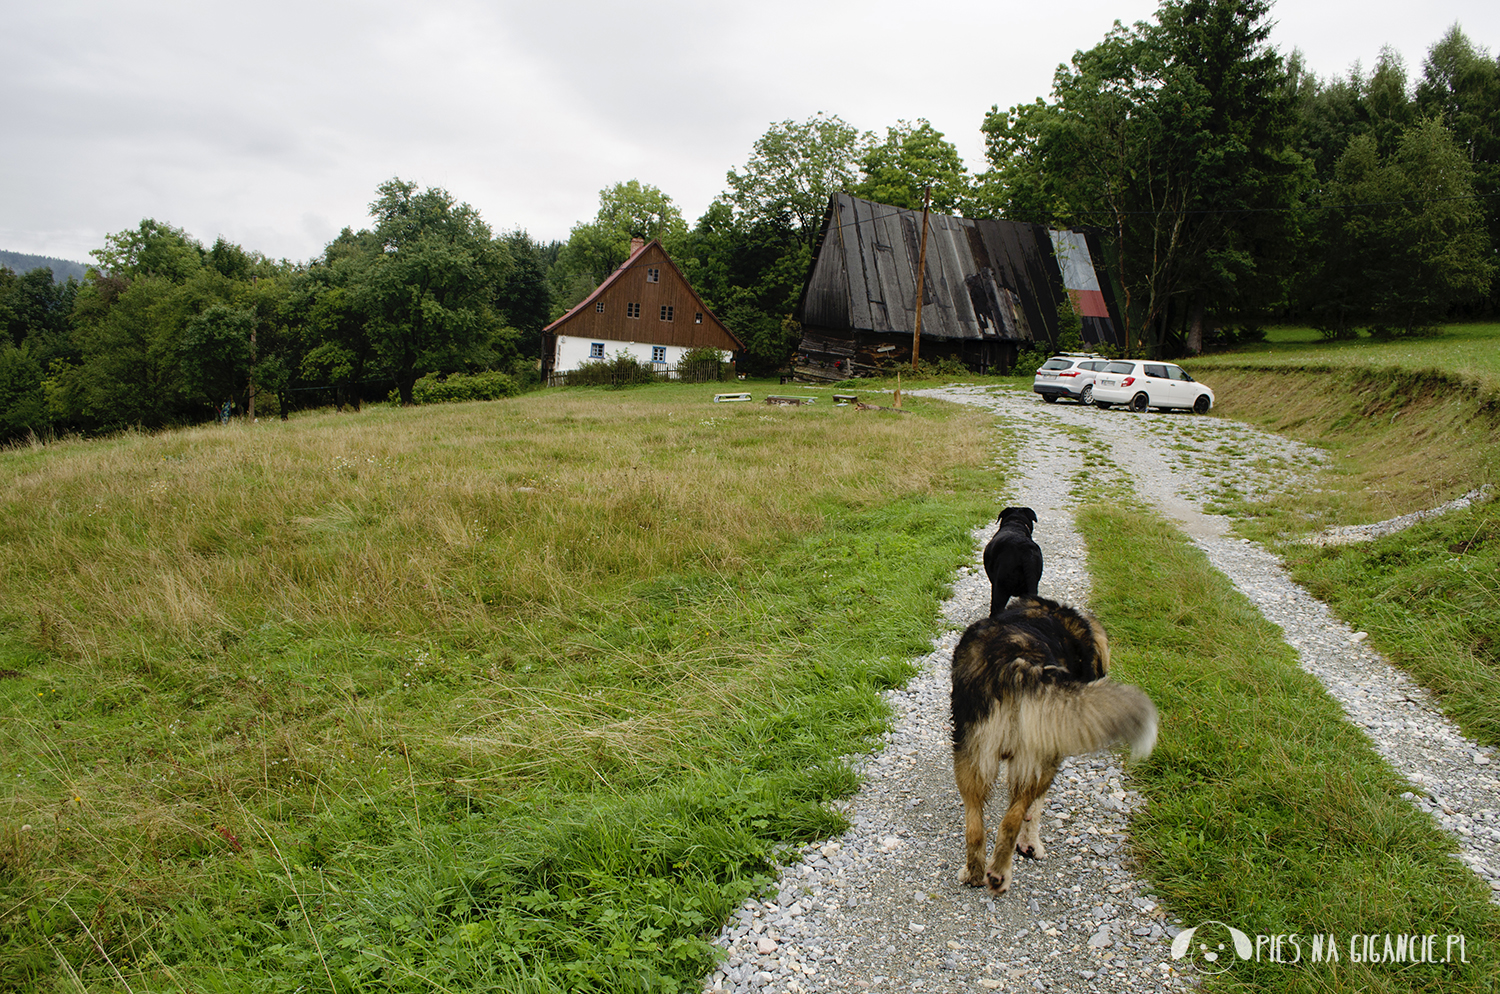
(1229, 336)
(703, 364)
(1029, 361)
(946, 368)
(436, 389)
(623, 370)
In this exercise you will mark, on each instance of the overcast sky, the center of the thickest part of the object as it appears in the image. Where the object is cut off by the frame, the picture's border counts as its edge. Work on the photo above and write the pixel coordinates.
(272, 123)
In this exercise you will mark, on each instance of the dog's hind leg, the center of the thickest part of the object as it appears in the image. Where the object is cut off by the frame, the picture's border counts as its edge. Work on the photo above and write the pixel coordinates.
(1029, 842)
(974, 780)
(1028, 784)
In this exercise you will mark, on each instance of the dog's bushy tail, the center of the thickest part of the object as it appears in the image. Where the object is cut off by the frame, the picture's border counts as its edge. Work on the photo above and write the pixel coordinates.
(1077, 720)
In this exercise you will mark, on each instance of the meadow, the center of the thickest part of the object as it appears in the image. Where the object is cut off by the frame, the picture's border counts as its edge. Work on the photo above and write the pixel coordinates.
(528, 695)
(524, 694)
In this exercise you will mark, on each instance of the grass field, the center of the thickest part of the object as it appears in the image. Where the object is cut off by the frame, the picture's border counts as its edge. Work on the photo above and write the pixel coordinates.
(528, 695)
(522, 695)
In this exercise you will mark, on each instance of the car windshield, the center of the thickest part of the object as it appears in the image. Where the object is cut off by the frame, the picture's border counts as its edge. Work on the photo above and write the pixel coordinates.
(1058, 364)
(1120, 367)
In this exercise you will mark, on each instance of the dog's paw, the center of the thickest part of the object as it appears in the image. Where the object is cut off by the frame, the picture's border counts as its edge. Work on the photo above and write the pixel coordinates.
(1029, 844)
(999, 883)
(972, 876)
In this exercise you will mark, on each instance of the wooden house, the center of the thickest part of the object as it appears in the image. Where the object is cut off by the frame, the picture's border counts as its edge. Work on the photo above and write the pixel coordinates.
(645, 309)
(989, 288)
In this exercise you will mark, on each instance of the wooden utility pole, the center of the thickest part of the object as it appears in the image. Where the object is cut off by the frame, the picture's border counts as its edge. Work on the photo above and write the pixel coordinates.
(916, 335)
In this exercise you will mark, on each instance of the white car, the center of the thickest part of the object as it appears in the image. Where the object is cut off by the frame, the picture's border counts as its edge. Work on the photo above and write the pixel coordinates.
(1069, 375)
(1142, 384)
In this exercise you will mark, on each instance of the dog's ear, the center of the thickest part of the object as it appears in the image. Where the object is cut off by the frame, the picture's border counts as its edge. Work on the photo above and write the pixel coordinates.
(1018, 512)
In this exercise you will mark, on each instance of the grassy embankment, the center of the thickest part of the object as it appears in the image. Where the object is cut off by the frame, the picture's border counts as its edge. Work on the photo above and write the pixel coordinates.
(524, 695)
(1409, 425)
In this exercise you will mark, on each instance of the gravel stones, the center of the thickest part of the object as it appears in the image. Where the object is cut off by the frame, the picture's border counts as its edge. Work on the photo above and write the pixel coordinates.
(881, 908)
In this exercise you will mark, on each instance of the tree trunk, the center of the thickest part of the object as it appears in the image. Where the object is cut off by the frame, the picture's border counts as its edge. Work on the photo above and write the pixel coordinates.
(1195, 329)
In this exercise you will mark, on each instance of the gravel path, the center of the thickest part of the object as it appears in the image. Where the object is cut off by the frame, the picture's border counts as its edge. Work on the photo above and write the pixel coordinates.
(880, 907)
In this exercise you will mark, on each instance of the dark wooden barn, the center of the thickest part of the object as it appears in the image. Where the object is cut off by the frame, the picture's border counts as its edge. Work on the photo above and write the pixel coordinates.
(990, 287)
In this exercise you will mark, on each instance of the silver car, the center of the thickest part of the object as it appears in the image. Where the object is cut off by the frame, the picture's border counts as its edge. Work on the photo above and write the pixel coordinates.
(1069, 375)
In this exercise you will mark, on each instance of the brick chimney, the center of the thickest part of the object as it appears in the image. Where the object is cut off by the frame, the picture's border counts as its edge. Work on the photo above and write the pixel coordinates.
(636, 244)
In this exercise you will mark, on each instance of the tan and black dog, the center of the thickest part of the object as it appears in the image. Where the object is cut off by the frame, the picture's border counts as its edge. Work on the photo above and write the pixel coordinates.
(1029, 689)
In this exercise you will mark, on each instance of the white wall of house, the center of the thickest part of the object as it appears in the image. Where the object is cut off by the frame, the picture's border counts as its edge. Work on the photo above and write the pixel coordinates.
(573, 351)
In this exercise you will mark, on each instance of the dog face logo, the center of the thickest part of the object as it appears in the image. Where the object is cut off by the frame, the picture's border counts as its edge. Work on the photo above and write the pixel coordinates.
(1211, 947)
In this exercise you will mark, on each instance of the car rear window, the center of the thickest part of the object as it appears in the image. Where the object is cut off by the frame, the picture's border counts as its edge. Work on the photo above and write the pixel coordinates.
(1058, 364)
(1120, 367)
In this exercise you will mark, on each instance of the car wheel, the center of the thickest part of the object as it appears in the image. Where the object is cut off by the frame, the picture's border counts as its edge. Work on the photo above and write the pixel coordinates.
(1087, 397)
(1201, 405)
(1138, 403)
(1050, 398)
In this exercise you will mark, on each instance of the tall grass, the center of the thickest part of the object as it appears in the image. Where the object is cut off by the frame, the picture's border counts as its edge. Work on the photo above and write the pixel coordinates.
(520, 695)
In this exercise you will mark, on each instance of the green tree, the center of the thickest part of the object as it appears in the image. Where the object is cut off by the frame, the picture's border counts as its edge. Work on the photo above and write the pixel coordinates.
(216, 352)
(1461, 85)
(1406, 239)
(793, 169)
(151, 249)
(430, 294)
(23, 401)
(597, 248)
(525, 298)
(912, 159)
(751, 276)
(149, 336)
(1176, 137)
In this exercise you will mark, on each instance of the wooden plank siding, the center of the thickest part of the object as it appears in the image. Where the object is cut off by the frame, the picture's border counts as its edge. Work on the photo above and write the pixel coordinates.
(629, 285)
(860, 295)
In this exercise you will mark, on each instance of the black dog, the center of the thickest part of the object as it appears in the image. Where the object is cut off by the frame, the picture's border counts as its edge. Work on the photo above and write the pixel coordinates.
(1012, 561)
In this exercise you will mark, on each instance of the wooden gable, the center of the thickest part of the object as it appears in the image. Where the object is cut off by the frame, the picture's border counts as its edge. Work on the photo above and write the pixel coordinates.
(647, 300)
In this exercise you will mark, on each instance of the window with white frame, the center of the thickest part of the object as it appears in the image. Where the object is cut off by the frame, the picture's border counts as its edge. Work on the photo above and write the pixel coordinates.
(658, 353)
(632, 310)
(698, 318)
(666, 312)
(599, 307)
(596, 350)
(653, 275)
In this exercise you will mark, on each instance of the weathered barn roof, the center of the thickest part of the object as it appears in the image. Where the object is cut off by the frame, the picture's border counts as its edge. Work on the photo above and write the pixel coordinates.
(864, 276)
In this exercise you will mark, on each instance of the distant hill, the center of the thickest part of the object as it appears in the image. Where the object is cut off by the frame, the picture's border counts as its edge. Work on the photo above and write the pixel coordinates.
(20, 262)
